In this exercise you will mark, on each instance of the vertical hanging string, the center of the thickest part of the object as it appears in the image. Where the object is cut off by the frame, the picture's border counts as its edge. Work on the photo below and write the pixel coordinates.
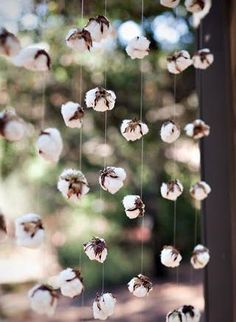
(80, 97)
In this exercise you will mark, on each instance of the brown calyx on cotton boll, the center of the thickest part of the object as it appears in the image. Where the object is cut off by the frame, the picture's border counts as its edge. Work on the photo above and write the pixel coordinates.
(44, 53)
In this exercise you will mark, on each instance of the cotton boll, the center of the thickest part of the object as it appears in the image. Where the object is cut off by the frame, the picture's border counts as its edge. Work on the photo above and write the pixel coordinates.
(99, 27)
(133, 130)
(3, 228)
(191, 313)
(170, 3)
(203, 59)
(175, 316)
(100, 99)
(96, 249)
(72, 184)
(79, 39)
(178, 62)
(111, 179)
(170, 132)
(43, 299)
(171, 190)
(138, 47)
(134, 206)
(104, 306)
(70, 282)
(49, 144)
(140, 286)
(9, 43)
(200, 190)
(200, 257)
(197, 130)
(72, 114)
(195, 5)
(170, 256)
(12, 128)
(198, 16)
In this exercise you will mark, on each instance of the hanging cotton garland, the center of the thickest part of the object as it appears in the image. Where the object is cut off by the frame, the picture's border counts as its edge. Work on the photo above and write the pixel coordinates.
(112, 179)
(3, 228)
(100, 99)
(79, 39)
(50, 145)
(195, 6)
(178, 62)
(191, 313)
(203, 59)
(172, 189)
(140, 286)
(200, 257)
(133, 130)
(170, 132)
(200, 190)
(43, 299)
(104, 306)
(96, 250)
(170, 3)
(134, 206)
(99, 27)
(70, 282)
(138, 47)
(29, 231)
(197, 130)
(72, 114)
(12, 128)
(9, 43)
(170, 256)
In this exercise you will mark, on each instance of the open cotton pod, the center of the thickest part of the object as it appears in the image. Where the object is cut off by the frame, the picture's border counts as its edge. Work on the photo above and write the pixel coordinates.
(170, 3)
(138, 47)
(197, 130)
(175, 316)
(29, 231)
(133, 130)
(79, 39)
(49, 144)
(9, 43)
(203, 59)
(172, 189)
(70, 282)
(12, 128)
(134, 206)
(96, 250)
(200, 257)
(112, 179)
(191, 313)
(200, 190)
(178, 62)
(198, 16)
(170, 132)
(103, 306)
(170, 256)
(72, 184)
(140, 286)
(100, 99)
(3, 228)
(72, 114)
(43, 299)
(195, 6)
(99, 27)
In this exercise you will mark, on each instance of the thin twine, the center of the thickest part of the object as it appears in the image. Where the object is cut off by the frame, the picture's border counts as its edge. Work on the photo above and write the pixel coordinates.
(174, 168)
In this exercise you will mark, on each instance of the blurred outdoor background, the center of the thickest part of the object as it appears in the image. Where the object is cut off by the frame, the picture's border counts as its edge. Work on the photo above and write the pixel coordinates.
(28, 183)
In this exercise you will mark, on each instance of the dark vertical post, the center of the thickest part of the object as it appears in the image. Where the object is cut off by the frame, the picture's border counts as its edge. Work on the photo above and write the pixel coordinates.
(218, 164)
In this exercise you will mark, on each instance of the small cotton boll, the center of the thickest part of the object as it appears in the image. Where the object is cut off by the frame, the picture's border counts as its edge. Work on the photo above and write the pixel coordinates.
(197, 130)
(72, 184)
(195, 6)
(200, 257)
(70, 282)
(111, 179)
(138, 47)
(170, 132)
(198, 16)
(140, 286)
(171, 190)
(203, 59)
(175, 316)
(96, 249)
(3, 228)
(191, 313)
(79, 39)
(133, 130)
(12, 128)
(100, 99)
(43, 299)
(49, 144)
(170, 3)
(178, 62)
(99, 27)
(72, 114)
(9, 43)
(170, 256)
(134, 206)
(200, 190)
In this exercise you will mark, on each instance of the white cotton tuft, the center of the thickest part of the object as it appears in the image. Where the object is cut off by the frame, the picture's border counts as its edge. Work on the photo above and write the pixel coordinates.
(178, 62)
(49, 144)
(134, 206)
(170, 132)
(29, 231)
(104, 306)
(190, 313)
(70, 282)
(99, 27)
(96, 250)
(197, 130)
(43, 299)
(9, 43)
(170, 3)
(112, 179)
(140, 286)
(195, 6)
(12, 128)
(72, 114)
(175, 316)
(171, 190)
(138, 47)
(72, 184)
(203, 59)
(100, 99)
(79, 39)
(200, 190)
(198, 16)
(170, 257)
(200, 257)
(133, 130)
(3, 228)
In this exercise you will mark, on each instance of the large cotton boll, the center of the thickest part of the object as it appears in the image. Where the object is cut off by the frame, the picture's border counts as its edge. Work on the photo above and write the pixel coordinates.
(99, 27)
(170, 132)
(133, 130)
(72, 114)
(100, 99)
(79, 39)
(70, 282)
(178, 62)
(49, 144)
(140, 286)
(96, 249)
(138, 47)
(112, 179)
(9, 43)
